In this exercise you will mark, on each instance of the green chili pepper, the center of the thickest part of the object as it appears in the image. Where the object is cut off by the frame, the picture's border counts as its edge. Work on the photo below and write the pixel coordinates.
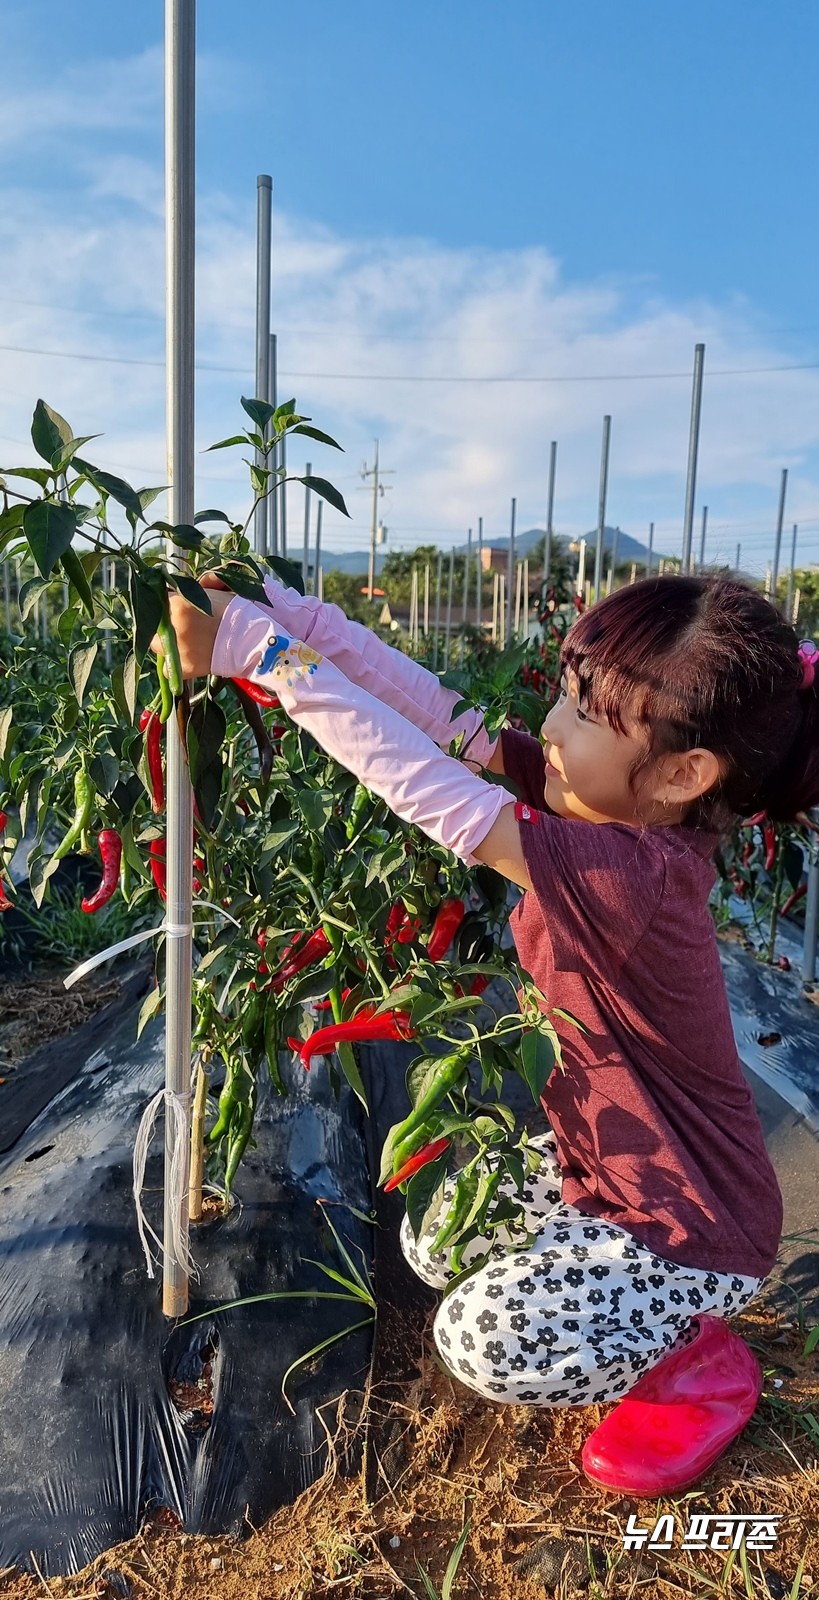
(241, 1130)
(450, 1069)
(165, 696)
(358, 810)
(84, 797)
(271, 1044)
(78, 578)
(253, 1028)
(466, 1188)
(173, 665)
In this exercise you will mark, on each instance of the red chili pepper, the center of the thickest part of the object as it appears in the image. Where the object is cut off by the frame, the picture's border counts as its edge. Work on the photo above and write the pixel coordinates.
(401, 927)
(151, 726)
(794, 899)
(389, 1025)
(317, 946)
(422, 1158)
(110, 845)
(158, 866)
(450, 916)
(755, 820)
(769, 835)
(326, 1005)
(263, 697)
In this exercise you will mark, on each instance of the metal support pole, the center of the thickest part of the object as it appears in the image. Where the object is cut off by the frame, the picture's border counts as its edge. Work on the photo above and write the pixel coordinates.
(426, 601)
(502, 609)
(180, 202)
(550, 505)
(317, 562)
(811, 914)
(305, 560)
(581, 569)
(601, 507)
(702, 538)
(264, 200)
(738, 559)
(437, 611)
(693, 448)
(413, 616)
(273, 502)
(650, 549)
(509, 572)
(791, 570)
(479, 580)
(448, 633)
(283, 495)
(495, 594)
(374, 528)
(780, 517)
(466, 594)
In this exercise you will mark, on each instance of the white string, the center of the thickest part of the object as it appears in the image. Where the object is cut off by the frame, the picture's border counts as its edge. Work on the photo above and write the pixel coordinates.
(178, 1105)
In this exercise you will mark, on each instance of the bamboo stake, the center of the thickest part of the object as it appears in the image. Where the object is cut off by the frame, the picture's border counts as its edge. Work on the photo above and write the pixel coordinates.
(495, 591)
(198, 1140)
(526, 597)
(518, 597)
(502, 609)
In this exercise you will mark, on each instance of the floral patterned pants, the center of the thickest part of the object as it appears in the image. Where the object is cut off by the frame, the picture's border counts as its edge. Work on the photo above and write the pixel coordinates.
(574, 1318)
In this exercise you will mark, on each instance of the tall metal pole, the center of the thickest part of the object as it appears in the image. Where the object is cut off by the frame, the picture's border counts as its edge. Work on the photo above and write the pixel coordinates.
(778, 542)
(495, 594)
(305, 566)
(739, 558)
(693, 448)
(437, 611)
(791, 570)
(601, 507)
(650, 549)
(547, 557)
(466, 594)
(702, 537)
(374, 529)
(426, 600)
(264, 200)
(283, 494)
(273, 502)
(479, 579)
(317, 564)
(448, 634)
(510, 571)
(180, 205)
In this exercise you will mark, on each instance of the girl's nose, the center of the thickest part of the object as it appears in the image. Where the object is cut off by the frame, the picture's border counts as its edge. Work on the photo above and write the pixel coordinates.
(550, 726)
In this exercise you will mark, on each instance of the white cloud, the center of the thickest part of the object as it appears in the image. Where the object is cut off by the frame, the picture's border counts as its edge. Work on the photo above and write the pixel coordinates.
(84, 270)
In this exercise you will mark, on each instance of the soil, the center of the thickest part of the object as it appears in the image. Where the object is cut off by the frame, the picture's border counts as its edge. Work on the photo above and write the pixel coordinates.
(38, 1008)
(515, 1474)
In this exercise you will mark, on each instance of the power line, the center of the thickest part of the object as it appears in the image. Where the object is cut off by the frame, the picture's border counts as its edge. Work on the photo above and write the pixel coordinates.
(409, 377)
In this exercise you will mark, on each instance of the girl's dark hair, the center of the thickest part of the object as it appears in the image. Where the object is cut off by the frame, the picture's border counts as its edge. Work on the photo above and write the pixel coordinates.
(706, 661)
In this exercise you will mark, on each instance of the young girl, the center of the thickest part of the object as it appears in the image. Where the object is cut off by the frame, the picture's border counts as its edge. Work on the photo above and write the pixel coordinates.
(685, 703)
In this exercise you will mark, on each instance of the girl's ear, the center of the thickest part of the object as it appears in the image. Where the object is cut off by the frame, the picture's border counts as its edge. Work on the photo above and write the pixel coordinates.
(683, 775)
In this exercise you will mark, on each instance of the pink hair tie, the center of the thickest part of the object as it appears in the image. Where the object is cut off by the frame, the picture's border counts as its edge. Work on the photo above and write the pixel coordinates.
(809, 656)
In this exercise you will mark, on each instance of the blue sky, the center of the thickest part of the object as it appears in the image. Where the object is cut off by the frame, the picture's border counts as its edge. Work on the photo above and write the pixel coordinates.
(471, 191)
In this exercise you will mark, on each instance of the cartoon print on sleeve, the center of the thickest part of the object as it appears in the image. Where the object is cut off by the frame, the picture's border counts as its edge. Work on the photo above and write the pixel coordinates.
(287, 659)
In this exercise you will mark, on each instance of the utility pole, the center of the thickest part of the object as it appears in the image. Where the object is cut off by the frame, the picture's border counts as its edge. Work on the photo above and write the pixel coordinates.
(601, 507)
(376, 473)
(693, 450)
(778, 542)
(789, 596)
(650, 549)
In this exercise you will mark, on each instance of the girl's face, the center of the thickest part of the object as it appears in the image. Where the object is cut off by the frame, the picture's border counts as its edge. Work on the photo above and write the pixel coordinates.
(588, 764)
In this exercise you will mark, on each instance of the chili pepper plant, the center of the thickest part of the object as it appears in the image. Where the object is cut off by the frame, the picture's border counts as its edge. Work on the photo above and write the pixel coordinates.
(307, 891)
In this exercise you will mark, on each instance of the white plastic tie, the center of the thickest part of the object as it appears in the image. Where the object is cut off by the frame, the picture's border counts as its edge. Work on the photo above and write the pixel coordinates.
(177, 1106)
(172, 930)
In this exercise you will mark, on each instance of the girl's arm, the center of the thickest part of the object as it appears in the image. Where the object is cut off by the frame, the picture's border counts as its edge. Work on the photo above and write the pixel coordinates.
(383, 671)
(391, 756)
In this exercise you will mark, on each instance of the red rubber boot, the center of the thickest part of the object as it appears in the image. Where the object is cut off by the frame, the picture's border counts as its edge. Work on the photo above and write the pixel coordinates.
(679, 1417)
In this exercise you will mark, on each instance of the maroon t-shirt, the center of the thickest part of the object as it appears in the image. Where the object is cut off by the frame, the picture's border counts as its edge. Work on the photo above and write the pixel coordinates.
(655, 1122)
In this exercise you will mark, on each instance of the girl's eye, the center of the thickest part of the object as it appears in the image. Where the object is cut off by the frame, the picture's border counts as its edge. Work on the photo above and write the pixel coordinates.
(582, 716)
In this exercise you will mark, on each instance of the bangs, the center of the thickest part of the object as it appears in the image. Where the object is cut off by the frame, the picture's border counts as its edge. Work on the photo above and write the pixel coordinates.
(628, 654)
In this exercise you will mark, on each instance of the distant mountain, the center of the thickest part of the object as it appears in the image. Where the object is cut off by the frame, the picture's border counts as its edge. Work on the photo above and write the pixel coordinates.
(628, 549)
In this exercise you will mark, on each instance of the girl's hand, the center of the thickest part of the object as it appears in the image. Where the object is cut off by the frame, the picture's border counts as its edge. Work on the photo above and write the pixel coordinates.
(195, 632)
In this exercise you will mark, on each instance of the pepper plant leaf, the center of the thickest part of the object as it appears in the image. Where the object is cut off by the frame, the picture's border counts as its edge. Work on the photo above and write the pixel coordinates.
(49, 527)
(49, 431)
